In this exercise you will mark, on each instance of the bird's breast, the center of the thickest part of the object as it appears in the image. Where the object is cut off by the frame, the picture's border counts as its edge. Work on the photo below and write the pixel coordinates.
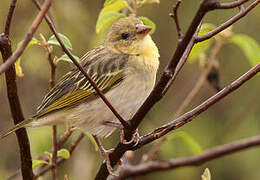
(131, 93)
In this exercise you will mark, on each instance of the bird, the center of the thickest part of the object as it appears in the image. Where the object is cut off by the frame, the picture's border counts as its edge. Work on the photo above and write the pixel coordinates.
(124, 67)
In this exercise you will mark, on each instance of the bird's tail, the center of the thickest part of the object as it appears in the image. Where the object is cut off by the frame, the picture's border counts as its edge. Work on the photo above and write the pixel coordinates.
(16, 127)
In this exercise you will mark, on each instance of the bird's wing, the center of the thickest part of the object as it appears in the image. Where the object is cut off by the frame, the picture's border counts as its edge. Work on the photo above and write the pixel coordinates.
(103, 66)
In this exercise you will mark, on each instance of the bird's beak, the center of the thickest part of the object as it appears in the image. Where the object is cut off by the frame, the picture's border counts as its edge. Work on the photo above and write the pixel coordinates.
(141, 31)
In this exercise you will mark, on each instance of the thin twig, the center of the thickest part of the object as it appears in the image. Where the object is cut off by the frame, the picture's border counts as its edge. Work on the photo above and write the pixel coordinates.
(189, 116)
(65, 136)
(60, 160)
(14, 102)
(195, 160)
(231, 5)
(157, 93)
(54, 152)
(28, 37)
(182, 61)
(228, 22)
(174, 15)
(202, 79)
(99, 92)
(54, 128)
(9, 17)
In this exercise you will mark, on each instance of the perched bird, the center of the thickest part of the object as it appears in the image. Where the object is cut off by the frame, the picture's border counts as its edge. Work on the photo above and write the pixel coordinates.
(124, 68)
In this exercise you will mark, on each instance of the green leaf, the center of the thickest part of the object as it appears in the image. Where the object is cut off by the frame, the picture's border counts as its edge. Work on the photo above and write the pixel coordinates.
(64, 153)
(202, 46)
(17, 64)
(148, 22)
(249, 46)
(109, 2)
(65, 40)
(33, 42)
(114, 7)
(206, 175)
(190, 142)
(106, 20)
(93, 141)
(18, 68)
(36, 163)
(65, 57)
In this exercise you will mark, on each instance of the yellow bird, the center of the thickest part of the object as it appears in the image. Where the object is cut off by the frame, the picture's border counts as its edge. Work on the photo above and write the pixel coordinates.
(124, 67)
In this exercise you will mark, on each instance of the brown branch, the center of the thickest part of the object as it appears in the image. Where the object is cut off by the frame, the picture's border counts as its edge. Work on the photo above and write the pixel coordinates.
(9, 17)
(189, 116)
(27, 38)
(195, 160)
(228, 23)
(231, 4)
(54, 152)
(156, 94)
(65, 136)
(175, 17)
(54, 128)
(14, 102)
(165, 81)
(99, 92)
(60, 160)
(202, 79)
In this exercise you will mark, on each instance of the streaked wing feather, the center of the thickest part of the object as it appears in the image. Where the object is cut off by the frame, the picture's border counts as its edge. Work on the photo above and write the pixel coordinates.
(105, 68)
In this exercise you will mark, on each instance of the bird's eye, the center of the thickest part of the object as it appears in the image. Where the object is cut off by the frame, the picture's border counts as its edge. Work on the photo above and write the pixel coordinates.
(125, 35)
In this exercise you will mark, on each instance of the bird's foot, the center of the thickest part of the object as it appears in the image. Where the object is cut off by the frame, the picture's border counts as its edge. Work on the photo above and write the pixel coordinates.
(135, 137)
(106, 154)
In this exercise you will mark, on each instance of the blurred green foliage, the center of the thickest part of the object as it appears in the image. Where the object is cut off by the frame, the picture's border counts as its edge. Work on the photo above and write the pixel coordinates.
(235, 117)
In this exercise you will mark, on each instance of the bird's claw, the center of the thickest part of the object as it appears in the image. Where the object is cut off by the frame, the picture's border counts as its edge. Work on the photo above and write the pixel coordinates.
(135, 138)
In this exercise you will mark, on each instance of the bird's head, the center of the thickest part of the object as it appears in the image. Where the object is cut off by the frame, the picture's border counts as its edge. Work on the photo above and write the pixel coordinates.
(128, 35)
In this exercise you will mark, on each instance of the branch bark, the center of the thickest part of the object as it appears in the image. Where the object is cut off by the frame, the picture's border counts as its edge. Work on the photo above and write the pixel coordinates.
(189, 116)
(27, 38)
(14, 102)
(165, 81)
(228, 23)
(196, 160)
(60, 160)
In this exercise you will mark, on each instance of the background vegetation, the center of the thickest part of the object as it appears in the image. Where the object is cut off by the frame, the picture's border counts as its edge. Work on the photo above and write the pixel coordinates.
(235, 117)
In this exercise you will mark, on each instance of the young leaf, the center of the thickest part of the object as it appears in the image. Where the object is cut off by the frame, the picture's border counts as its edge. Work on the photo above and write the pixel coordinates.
(206, 175)
(65, 40)
(249, 46)
(190, 142)
(36, 163)
(108, 2)
(33, 42)
(202, 46)
(114, 7)
(93, 141)
(18, 68)
(64, 153)
(17, 64)
(151, 1)
(106, 20)
(65, 57)
(148, 22)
